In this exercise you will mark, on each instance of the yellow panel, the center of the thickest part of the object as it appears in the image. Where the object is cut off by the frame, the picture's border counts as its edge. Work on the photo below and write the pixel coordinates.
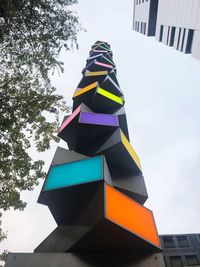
(130, 150)
(109, 95)
(96, 73)
(85, 89)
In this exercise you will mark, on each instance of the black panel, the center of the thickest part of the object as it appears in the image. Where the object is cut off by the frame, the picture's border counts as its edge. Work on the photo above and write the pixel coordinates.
(75, 205)
(109, 237)
(152, 17)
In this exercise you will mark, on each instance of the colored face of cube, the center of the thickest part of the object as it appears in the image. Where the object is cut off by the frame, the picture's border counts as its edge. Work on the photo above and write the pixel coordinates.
(74, 173)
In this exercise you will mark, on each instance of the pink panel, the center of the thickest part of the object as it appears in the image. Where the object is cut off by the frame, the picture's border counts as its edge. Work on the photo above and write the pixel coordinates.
(104, 65)
(100, 51)
(70, 118)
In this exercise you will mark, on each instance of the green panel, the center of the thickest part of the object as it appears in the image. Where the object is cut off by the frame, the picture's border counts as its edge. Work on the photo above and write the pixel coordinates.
(109, 95)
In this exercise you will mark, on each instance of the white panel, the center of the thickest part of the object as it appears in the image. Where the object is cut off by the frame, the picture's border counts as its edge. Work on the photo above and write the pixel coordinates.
(178, 15)
(159, 15)
(171, 12)
(198, 55)
(198, 51)
(142, 12)
(163, 13)
(185, 41)
(189, 10)
(196, 44)
(157, 32)
(174, 12)
(165, 31)
(194, 14)
(184, 13)
(198, 17)
(181, 38)
(176, 38)
(167, 37)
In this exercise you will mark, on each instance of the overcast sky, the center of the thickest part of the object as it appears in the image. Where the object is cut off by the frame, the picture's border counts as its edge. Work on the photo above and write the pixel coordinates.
(162, 93)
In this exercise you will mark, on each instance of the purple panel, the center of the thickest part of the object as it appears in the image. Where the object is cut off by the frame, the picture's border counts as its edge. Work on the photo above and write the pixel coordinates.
(99, 118)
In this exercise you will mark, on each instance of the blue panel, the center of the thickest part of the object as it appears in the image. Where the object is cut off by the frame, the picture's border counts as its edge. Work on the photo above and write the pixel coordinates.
(74, 173)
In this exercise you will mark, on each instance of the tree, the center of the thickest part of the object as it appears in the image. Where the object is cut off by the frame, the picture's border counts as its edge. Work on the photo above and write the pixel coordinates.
(32, 35)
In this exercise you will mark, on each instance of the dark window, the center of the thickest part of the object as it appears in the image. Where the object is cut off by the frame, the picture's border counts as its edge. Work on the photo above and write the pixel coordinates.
(145, 26)
(168, 35)
(192, 260)
(168, 242)
(179, 35)
(183, 241)
(141, 29)
(176, 261)
(189, 41)
(183, 39)
(198, 237)
(161, 33)
(173, 30)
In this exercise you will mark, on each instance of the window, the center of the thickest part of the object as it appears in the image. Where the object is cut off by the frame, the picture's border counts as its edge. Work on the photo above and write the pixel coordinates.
(176, 261)
(183, 39)
(141, 27)
(183, 241)
(189, 41)
(171, 43)
(161, 33)
(198, 237)
(168, 35)
(192, 260)
(138, 26)
(145, 25)
(168, 242)
(179, 35)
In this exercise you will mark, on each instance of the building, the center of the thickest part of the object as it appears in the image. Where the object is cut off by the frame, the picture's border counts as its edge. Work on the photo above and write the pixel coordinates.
(181, 250)
(175, 23)
(145, 16)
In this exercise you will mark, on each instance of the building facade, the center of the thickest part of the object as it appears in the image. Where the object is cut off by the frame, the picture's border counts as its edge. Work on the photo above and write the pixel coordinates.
(145, 15)
(175, 23)
(181, 250)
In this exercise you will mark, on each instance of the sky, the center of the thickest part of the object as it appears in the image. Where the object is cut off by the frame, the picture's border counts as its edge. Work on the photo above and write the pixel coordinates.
(161, 89)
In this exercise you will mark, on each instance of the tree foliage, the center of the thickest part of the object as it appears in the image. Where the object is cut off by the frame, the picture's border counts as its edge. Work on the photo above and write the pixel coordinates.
(32, 35)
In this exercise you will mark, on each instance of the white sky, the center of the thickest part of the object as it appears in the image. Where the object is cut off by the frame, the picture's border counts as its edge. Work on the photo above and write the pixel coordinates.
(162, 92)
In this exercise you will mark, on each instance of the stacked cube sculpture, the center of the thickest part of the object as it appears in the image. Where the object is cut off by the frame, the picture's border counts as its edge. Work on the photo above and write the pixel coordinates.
(95, 190)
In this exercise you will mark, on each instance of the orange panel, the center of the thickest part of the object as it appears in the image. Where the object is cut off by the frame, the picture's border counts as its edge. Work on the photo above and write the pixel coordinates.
(85, 89)
(130, 215)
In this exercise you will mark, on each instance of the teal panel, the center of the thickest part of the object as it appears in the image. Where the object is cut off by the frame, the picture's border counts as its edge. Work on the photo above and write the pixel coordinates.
(74, 173)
